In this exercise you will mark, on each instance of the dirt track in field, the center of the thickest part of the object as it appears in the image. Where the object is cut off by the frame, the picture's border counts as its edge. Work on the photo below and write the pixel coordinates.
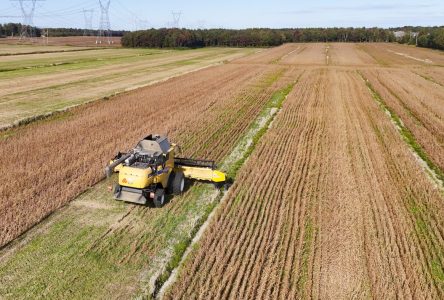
(332, 204)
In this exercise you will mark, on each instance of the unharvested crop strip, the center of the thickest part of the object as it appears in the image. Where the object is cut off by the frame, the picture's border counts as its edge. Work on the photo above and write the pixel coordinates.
(436, 174)
(275, 104)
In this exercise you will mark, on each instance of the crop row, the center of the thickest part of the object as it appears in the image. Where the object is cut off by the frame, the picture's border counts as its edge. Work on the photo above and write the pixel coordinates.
(419, 103)
(331, 204)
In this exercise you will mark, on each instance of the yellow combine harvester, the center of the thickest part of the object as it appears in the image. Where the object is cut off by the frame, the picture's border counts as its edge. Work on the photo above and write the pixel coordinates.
(150, 170)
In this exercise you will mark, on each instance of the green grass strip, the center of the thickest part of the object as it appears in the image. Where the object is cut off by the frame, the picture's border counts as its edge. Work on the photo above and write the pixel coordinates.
(406, 134)
(276, 101)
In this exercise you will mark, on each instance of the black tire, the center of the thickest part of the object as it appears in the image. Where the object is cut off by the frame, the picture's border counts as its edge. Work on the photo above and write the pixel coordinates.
(177, 183)
(117, 188)
(159, 198)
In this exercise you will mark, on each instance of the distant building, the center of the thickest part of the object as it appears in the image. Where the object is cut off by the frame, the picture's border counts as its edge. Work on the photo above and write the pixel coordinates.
(399, 34)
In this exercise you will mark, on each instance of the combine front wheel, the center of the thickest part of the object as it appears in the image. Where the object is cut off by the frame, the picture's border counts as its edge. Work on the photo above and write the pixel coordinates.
(177, 184)
(159, 198)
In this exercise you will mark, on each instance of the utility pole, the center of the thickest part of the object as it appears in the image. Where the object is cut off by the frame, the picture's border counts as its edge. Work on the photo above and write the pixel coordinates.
(105, 25)
(88, 14)
(47, 36)
(28, 11)
(176, 18)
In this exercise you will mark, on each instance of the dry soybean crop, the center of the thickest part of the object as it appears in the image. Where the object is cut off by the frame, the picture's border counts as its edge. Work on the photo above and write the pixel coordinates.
(338, 177)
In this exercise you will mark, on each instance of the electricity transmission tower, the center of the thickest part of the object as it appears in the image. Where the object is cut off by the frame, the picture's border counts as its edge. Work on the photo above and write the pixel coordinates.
(105, 25)
(28, 11)
(176, 18)
(88, 14)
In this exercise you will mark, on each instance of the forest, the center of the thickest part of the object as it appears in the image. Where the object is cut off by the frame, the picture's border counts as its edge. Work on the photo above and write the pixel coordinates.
(256, 37)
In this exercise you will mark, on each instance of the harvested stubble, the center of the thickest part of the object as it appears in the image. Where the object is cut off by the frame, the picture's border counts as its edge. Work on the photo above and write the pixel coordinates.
(308, 55)
(396, 55)
(349, 55)
(267, 56)
(331, 204)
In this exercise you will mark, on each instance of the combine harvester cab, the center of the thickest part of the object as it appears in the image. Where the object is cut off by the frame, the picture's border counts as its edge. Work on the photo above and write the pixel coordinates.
(151, 170)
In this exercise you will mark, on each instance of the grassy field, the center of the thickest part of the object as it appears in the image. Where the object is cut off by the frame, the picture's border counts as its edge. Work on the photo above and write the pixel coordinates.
(40, 83)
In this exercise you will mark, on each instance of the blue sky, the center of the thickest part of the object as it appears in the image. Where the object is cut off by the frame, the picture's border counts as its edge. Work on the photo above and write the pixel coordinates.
(132, 14)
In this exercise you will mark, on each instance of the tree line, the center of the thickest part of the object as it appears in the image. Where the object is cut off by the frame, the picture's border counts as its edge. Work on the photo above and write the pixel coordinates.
(14, 29)
(257, 37)
(427, 37)
(57, 32)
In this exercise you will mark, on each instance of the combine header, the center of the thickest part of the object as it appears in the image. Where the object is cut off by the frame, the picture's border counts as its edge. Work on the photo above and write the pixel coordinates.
(151, 170)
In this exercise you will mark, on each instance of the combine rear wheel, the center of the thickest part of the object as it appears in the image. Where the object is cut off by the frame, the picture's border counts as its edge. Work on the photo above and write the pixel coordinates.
(159, 198)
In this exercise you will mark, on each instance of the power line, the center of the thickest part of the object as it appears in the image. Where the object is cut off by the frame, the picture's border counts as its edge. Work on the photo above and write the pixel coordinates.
(124, 13)
(62, 20)
(72, 8)
(128, 11)
(141, 24)
(88, 14)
